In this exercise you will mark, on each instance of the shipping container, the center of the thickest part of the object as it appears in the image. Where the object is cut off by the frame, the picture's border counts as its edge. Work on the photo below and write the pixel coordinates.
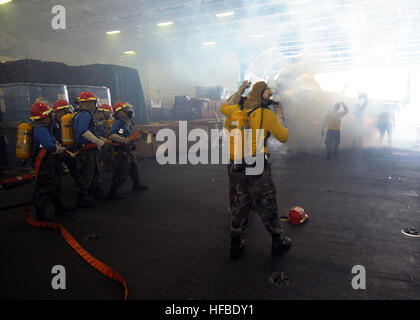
(103, 93)
(8, 135)
(16, 99)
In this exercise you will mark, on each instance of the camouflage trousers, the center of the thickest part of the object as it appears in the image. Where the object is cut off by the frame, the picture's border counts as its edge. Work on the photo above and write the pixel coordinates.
(87, 168)
(47, 187)
(124, 165)
(246, 190)
(69, 162)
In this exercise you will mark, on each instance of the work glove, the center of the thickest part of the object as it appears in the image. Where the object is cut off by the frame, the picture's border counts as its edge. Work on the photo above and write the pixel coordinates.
(245, 85)
(92, 138)
(236, 97)
(59, 149)
(100, 144)
(117, 138)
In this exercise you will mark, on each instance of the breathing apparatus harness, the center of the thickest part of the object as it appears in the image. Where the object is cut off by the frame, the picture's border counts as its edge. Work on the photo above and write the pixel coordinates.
(87, 146)
(265, 105)
(122, 146)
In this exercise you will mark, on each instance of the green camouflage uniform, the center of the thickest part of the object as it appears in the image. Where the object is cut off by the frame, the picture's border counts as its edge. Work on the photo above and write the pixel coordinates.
(69, 162)
(87, 168)
(124, 165)
(244, 189)
(47, 185)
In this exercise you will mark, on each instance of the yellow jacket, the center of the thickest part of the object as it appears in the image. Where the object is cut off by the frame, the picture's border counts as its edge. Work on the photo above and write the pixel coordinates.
(333, 120)
(269, 123)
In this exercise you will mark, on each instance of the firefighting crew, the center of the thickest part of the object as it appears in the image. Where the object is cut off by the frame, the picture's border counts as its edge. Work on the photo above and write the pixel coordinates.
(124, 161)
(333, 123)
(87, 143)
(46, 186)
(90, 125)
(244, 189)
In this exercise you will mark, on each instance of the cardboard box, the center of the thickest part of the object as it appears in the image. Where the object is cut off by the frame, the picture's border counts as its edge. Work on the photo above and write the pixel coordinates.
(144, 149)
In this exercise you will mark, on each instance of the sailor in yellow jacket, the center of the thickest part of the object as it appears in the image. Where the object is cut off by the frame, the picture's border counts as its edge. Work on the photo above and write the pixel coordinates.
(244, 189)
(333, 122)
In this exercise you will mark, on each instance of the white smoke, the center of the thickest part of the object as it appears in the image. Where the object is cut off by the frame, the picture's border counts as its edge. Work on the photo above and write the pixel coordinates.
(306, 105)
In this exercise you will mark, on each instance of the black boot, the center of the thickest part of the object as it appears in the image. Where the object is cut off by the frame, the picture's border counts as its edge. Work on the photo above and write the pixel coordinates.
(280, 244)
(114, 195)
(84, 201)
(237, 247)
(140, 187)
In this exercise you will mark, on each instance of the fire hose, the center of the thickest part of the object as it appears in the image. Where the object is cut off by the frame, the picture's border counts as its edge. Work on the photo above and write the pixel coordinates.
(95, 263)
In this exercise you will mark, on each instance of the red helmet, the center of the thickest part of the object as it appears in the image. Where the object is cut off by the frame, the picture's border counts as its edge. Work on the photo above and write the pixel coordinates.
(118, 106)
(40, 110)
(86, 96)
(127, 107)
(105, 107)
(297, 215)
(61, 104)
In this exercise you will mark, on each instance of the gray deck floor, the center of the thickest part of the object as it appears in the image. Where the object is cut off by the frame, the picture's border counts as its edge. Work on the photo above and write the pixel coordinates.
(172, 241)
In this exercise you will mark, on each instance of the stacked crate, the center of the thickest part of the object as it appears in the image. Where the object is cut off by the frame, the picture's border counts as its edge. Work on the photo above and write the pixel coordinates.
(213, 93)
(8, 135)
(214, 108)
(161, 114)
(187, 108)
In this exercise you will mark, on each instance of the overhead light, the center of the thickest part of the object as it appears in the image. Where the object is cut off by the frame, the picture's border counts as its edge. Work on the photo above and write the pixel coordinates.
(260, 35)
(5, 1)
(113, 32)
(209, 43)
(164, 24)
(130, 52)
(225, 14)
(322, 28)
(301, 2)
